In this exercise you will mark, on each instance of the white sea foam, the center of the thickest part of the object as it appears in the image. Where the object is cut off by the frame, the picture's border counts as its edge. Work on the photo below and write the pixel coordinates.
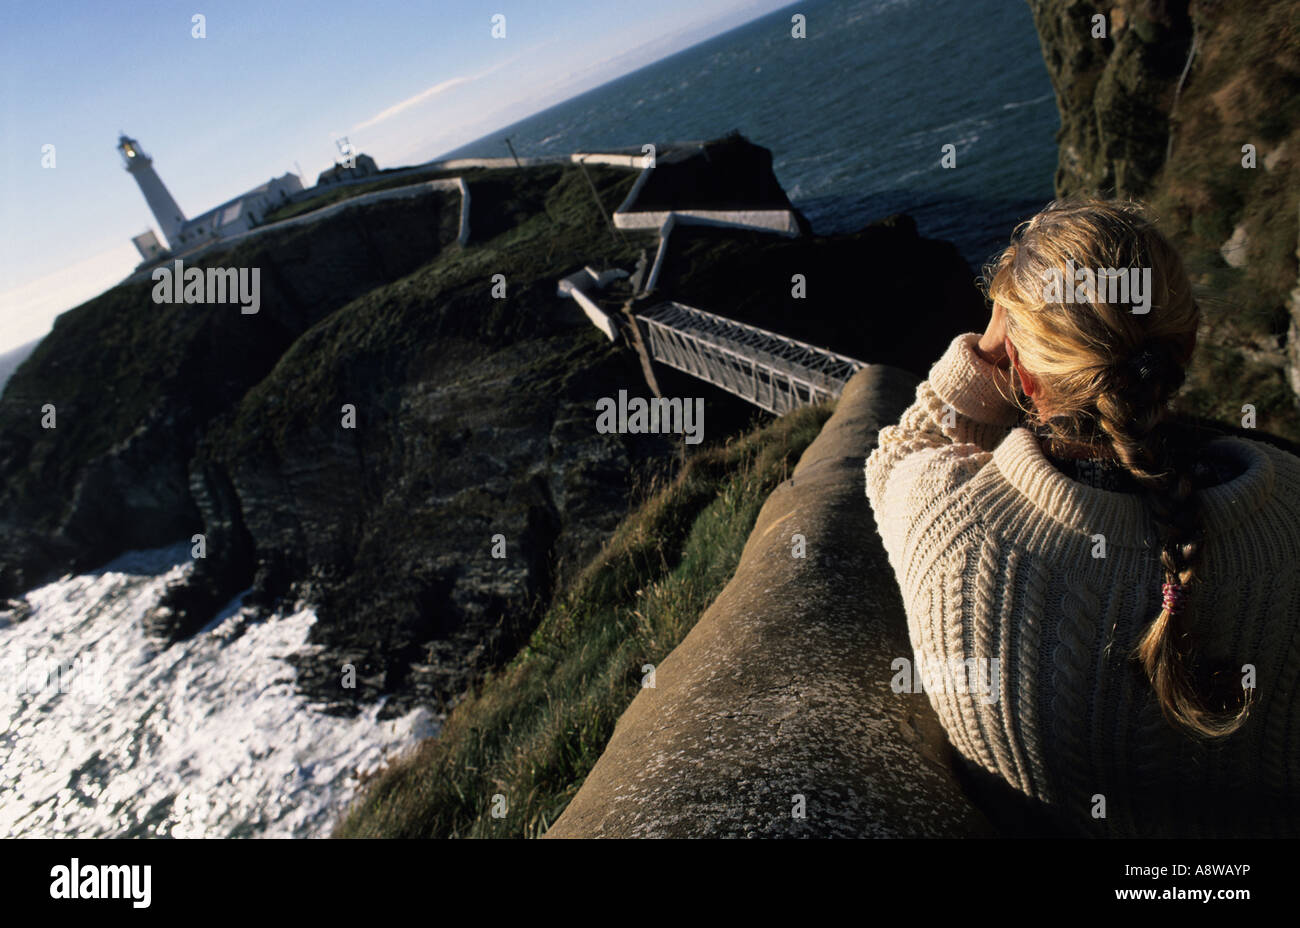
(206, 737)
(1016, 104)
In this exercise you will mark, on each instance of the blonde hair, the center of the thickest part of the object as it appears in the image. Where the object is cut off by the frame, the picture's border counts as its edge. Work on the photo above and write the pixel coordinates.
(1107, 373)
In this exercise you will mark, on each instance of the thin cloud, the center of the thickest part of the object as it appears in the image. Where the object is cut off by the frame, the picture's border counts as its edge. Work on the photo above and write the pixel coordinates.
(411, 101)
(433, 92)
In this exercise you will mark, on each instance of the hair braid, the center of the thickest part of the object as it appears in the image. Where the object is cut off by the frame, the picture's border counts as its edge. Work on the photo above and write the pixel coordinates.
(1149, 446)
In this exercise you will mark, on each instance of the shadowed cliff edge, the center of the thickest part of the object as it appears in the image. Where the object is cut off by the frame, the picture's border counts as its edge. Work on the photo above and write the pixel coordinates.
(782, 689)
(1194, 107)
(474, 414)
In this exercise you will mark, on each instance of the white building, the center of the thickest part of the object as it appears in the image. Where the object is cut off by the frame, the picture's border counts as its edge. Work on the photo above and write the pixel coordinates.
(148, 245)
(231, 217)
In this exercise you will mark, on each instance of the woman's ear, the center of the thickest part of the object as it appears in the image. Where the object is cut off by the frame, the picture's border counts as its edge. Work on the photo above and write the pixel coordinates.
(1028, 384)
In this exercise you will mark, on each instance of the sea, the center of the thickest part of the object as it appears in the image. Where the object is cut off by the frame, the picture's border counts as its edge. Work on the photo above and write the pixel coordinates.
(109, 733)
(112, 734)
(856, 114)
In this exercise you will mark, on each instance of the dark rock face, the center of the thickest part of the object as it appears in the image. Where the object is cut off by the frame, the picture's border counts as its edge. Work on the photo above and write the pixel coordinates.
(134, 384)
(391, 529)
(728, 173)
(1293, 335)
(1114, 93)
(390, 441)
(421, 465)
(1194, 106)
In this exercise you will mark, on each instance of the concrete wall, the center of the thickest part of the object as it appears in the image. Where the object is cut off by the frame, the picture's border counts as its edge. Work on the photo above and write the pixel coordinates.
(454, 164)
(462, 164)
(774, 220)
(637, 161)
(598, 316)
(413, 190)
(783, 686)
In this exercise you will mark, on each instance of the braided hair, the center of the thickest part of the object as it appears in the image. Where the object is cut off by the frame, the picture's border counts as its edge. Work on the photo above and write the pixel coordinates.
(1107, 371)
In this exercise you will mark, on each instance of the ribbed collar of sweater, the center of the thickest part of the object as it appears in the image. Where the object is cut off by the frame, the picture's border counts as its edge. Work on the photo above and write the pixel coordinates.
(1082, 508)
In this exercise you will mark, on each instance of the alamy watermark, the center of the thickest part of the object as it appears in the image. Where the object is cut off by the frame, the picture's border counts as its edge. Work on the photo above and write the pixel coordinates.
(1130, 285)
(179, 284)
(76, 880)
(973, 676)
(660, 415)
(29, 675)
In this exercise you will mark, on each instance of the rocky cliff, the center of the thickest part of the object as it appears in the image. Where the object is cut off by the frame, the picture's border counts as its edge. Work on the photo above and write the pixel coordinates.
(1194, 105)
(390, 440)
(135, 383)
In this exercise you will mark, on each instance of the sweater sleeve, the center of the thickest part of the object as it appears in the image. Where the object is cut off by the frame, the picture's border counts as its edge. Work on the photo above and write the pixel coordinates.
(941, 441)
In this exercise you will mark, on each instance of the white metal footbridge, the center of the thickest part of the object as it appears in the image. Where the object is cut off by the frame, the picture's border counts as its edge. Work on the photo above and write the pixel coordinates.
(769, 370)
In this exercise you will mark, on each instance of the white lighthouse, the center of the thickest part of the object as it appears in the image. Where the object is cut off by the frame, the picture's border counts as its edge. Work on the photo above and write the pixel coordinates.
(170, 218)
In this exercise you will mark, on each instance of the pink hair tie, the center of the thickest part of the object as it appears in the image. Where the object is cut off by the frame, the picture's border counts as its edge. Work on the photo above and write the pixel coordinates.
(1173, 596)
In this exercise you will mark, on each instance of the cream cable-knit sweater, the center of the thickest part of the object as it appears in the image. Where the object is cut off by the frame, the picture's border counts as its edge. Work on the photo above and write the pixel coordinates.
(993, 550)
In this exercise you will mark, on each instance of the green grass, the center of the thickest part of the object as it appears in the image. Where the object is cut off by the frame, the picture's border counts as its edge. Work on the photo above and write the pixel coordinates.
(533, 730)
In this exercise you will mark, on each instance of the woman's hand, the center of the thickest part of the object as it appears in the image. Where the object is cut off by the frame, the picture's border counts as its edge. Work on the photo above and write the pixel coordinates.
(992, 344)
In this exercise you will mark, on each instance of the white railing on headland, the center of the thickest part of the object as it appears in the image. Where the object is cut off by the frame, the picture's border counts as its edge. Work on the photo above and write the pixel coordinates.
(771, 371)
(316, 215)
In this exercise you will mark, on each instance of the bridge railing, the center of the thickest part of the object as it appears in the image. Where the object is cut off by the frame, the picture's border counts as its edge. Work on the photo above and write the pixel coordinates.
(772, 371)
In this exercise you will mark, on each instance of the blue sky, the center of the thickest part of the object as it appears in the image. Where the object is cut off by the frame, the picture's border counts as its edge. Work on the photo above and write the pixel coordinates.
(274, 82)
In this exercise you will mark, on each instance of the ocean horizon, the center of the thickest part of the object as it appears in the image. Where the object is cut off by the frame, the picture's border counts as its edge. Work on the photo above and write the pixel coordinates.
(855, 115)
